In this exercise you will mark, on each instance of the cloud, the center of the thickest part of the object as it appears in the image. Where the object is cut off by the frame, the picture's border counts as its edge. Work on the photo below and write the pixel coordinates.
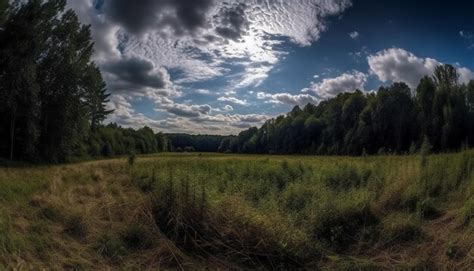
(188, 110)
(202, 91)
(232, 22)
(396, 64)
(137, 71)
(346, 82)
(182, 16)
(228, 107)
(159, 48)
(104, 32)
(134, 76)
(465, 75)
(233, 100)
(254, 76)
(195, 36)
(287, 98)
(354, 35)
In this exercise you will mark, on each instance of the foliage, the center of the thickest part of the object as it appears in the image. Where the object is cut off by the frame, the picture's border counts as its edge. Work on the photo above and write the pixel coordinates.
(191, 143)
(50, 90)
(392, 120)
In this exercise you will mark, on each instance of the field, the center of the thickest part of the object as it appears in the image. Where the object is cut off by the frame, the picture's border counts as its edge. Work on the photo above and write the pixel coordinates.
(216, 211)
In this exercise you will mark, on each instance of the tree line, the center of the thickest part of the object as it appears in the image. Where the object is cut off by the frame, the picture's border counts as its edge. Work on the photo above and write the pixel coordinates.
(199, 143)
(395, 119)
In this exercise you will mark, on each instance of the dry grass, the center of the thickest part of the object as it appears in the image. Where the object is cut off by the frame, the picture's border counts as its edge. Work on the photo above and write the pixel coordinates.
(240, 211)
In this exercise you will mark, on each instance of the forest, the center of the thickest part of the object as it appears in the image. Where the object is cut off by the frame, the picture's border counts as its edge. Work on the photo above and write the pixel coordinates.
(395, 119)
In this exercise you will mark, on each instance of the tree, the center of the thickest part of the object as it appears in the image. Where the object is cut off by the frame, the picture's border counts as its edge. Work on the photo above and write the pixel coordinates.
(51, 90)
(425, 93)
(96, 96)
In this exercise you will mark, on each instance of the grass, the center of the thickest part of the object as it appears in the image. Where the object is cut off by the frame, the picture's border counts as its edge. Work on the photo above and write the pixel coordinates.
(222, 211)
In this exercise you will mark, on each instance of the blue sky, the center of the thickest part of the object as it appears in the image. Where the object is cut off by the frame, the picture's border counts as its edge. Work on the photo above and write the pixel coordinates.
(218, 67)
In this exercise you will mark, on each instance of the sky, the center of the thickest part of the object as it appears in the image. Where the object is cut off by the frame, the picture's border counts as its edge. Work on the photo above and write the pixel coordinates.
(219, 67)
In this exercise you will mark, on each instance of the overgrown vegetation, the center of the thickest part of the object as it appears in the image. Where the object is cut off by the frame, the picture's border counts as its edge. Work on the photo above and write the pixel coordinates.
(236, 211)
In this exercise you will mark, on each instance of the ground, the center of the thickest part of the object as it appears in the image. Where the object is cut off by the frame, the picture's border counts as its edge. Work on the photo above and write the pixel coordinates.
(195, 210)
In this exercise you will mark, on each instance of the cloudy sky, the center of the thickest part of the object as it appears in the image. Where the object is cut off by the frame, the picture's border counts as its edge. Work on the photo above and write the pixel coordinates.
(221, 66)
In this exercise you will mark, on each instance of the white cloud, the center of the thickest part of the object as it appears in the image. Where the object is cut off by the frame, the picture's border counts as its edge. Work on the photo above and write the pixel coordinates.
(228, 107)
(287, 98)
(224, 36)
(354, 35)
(396, 64)
(202, 91)
(465, 75)
(233, 100)
(346, 82)
(199, 54)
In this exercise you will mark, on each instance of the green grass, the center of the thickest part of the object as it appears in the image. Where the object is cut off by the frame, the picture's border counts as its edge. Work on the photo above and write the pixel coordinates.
(240, 211)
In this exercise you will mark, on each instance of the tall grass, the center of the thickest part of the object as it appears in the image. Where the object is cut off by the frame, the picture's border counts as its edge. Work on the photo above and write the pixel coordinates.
(244, 211)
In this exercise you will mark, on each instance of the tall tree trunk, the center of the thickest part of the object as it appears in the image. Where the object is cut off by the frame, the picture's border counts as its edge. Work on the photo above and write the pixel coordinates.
(12, 132)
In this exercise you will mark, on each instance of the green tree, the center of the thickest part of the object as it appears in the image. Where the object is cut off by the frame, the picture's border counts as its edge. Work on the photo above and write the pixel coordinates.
(51, 90)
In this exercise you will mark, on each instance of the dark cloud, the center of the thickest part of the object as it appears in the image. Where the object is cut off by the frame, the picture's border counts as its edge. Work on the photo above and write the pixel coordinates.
(138, 16)
(190, 111)
(183, 112)
(232, 21)
(136, 73)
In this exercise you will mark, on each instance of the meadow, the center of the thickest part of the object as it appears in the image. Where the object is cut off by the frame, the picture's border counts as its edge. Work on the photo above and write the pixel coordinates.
(219, 211)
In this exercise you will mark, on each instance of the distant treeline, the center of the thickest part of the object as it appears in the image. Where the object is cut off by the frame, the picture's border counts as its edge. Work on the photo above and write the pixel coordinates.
(200, 143)
(440, 113)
